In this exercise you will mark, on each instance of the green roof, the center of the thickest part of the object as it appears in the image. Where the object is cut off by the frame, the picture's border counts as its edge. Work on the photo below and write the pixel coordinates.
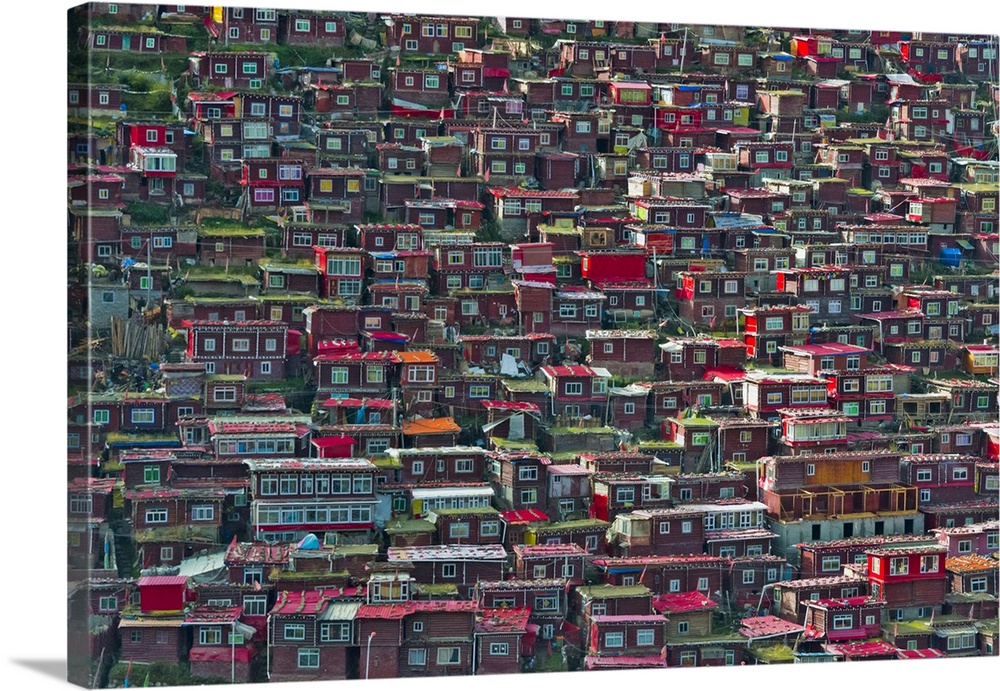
(696, 422)
(178, 532)
(710, 638)
(520, 445)
(581, 430)
(606, 590)
(199, 300)
(409, 525)
(773, 653)
(122, 437)
(279, 575)
(264, 262)
(909, 627)
(231, 232)
(354, 550)
(571, 525)
(436, 588)
(659, 444)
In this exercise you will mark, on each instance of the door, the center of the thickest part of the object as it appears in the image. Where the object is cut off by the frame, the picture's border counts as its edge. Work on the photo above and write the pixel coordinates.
(126, 42)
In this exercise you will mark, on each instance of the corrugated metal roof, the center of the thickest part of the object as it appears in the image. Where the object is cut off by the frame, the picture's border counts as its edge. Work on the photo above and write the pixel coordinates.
(340, 611)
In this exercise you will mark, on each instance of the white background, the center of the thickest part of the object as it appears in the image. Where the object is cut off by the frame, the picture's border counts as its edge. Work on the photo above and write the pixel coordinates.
(33, 339)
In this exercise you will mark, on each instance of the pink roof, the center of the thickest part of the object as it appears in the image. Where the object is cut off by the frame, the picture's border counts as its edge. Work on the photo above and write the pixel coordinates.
(256, 553)
(869, 649)
(387, 336)
(569, 549)
(503, 619)
(387, 355)
(892, 315)
(623, 661)
(357, 403)
(770, 625)
(213, 615)
(835, 603)
(218, 427)
(826, 349)
(161, 580)
(511, 405)
(310, 601)
(568, 469)
(515, 192)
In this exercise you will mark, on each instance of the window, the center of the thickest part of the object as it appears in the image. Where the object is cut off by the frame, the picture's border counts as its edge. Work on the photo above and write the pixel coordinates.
(308, 657)
(449, 656)
(684, 627)
(210, 635)
(203, 512)
(831, 563)
(448, 571)
(156, 516)
(899, 566)
(143, 416)
(614, 639)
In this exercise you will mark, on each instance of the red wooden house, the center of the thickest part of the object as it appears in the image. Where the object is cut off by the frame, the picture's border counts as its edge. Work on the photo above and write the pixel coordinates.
(342, 270)
(257, 348)
(272, 183)
(577, 390)
(228, 70)
(845, 619)
(311, 28)
(311, 635)
(503, 638)
(156, 633)
(347, 375)
(688, 359)
(908, 578)
(339, 493)
(709, 298)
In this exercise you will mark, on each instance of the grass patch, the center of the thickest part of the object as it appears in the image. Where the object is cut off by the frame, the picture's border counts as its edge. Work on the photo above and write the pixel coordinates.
(160, 674)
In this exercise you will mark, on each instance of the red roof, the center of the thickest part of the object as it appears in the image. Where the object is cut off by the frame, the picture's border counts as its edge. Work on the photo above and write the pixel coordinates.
(524, 516)
(675, 603)
(725, 373)
(400, 610)
(920, 653)
(568, 371)
(339, 440)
